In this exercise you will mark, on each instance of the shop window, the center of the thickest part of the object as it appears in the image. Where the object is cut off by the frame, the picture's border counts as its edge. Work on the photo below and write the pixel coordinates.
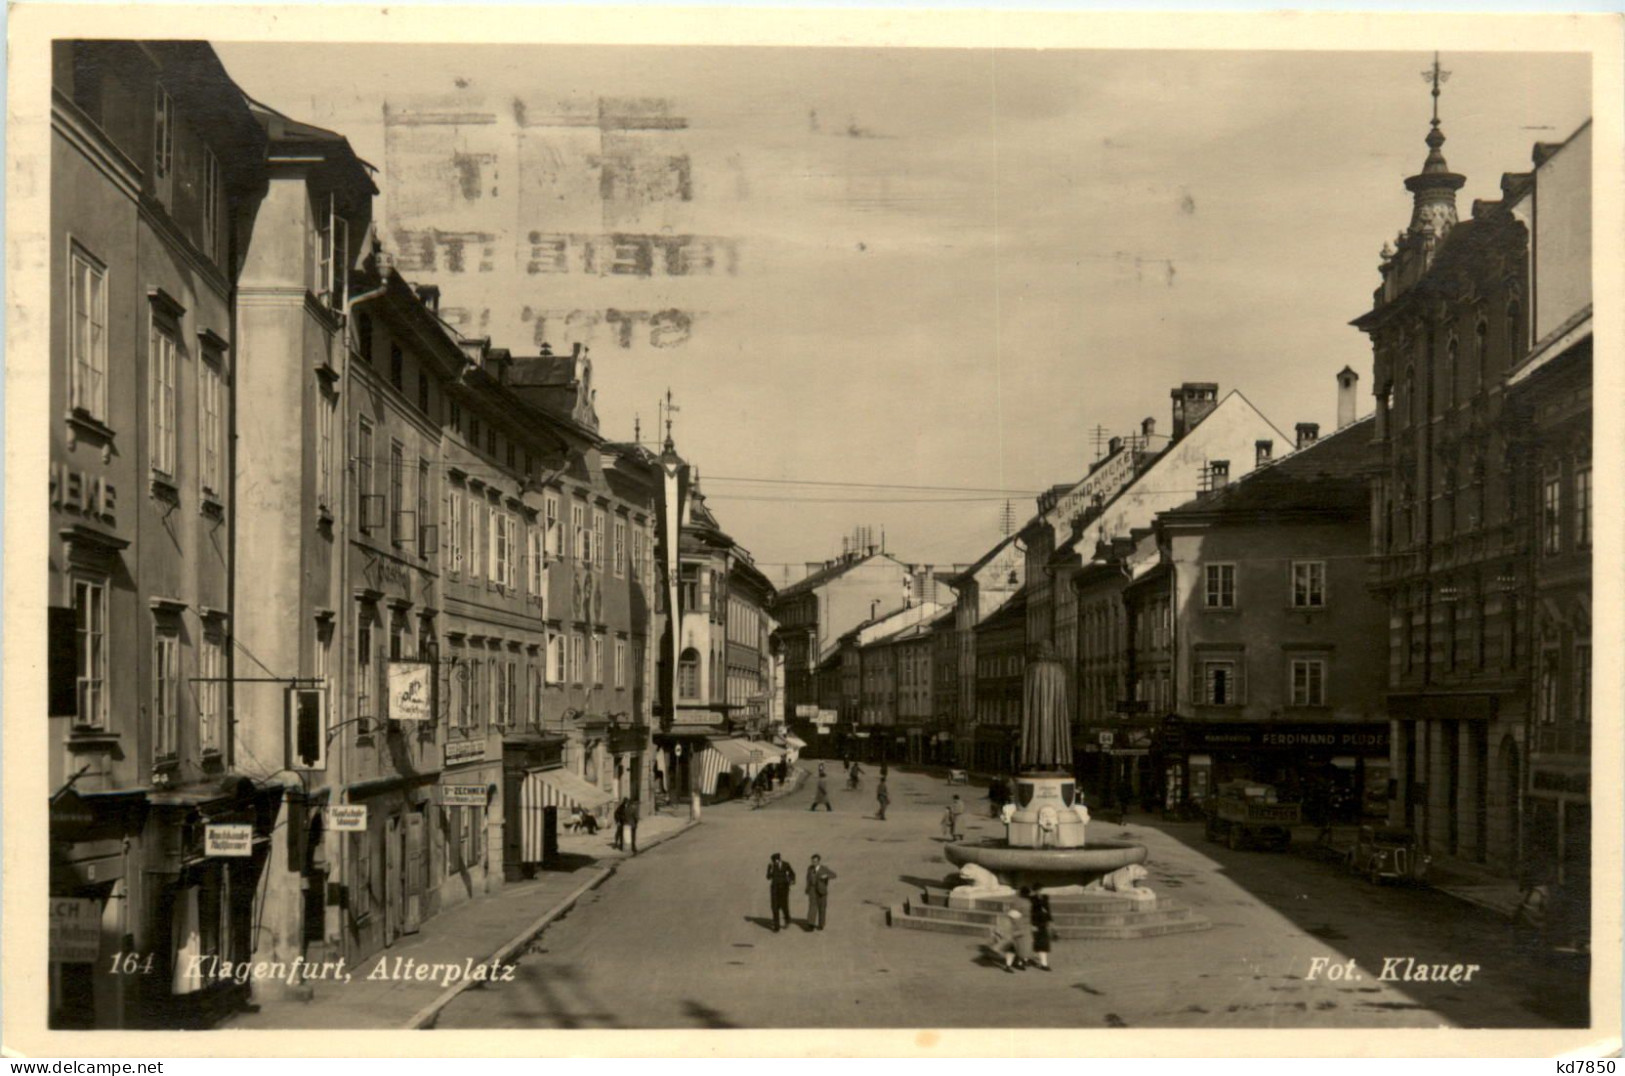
(1308, 584)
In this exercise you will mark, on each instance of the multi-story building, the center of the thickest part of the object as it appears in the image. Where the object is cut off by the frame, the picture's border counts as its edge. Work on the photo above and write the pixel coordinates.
(814, 613)
(1001, 662)
(1113, 737)
(1275, 677)
(1450, 514)
(596, 510)
(944, 704)
(1122, 492)
(156, 167)
(293, 479)
(979, 590)
(1549, 403)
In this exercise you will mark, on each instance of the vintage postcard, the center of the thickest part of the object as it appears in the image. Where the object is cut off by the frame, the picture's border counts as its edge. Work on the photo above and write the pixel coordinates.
(811, 532)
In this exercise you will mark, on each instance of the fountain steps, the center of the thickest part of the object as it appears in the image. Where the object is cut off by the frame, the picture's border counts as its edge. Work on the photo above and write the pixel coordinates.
(1133, 925)
(1101, 902)
(1156, 914)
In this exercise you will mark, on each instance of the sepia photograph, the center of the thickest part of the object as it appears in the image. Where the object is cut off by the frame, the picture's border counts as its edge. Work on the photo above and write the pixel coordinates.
(1082, 527)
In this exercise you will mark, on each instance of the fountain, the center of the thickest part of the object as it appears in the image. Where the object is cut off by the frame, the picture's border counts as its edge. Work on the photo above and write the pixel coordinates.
(1092, 883)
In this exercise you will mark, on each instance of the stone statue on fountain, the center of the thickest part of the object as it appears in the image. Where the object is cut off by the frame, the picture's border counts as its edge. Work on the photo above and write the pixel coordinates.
(1048, 811)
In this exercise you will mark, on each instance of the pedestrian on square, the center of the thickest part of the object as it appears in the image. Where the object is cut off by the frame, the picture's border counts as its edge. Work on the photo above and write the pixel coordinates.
(619, 840)
(818, 879)
(780, 877)
(1042, 919)
(630, 824)
(883, 798)
(950, 824)
(1013, 939)
(821, 795)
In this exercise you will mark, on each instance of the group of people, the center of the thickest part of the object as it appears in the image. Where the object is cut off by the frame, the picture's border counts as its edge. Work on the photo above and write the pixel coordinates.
(769, 775)
(854, 778)
(1021, 936)
(781, 876)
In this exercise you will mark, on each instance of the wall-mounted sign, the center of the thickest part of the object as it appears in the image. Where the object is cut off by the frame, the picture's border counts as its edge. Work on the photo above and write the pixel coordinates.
(409, 698)
(806, 709)
(462, 795)
(76, 930)
(825, 717)
(460, 751)
(82, 492)
(347, 817)
(228, 839)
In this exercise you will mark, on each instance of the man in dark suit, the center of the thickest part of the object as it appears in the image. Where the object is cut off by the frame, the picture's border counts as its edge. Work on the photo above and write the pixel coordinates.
(780, 877)
(818, 879)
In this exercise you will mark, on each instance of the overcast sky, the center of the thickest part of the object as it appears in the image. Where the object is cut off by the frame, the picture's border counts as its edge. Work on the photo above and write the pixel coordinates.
(955, 264)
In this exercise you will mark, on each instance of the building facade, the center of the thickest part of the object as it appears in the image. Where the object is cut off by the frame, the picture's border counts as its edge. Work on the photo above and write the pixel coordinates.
(156, 169)
(1450, 516)
(1275, 677)
(1550, 409)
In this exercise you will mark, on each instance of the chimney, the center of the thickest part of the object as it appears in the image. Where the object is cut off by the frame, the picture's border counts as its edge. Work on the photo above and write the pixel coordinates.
(1347, 379)
(1308, 433)
(1193, 400)
(1218, 474)
(1113, 446)
(1148, 429)
(575, 350)
(1262, 448)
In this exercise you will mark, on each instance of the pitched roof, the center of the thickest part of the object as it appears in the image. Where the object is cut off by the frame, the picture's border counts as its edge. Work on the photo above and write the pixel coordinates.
(834, 571)
(1326, 476)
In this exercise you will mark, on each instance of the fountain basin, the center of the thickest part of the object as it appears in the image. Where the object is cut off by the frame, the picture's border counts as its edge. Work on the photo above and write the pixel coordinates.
(1047, 866)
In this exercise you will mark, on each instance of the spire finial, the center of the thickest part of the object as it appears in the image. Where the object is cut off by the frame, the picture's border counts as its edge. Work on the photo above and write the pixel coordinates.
(669, 408)
(1438, 76)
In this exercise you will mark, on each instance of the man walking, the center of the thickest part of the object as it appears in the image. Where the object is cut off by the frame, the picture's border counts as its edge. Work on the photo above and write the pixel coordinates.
(818, 879)
(821, 795)
(629, 823)
(620, 826)
(780, 877)
(882, 797)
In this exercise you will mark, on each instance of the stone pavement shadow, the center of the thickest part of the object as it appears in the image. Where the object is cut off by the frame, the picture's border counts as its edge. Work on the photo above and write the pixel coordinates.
(557, 995)
(569, 863)
(707, 1017)
(763, 921)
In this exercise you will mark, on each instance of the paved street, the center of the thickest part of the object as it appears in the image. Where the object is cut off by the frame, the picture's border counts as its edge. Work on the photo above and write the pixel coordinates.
(680, 938)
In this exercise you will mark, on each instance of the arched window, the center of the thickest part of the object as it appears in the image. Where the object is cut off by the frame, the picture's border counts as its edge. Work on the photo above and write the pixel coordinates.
(1481, 353)
(688, 674)
(1514, 332)
(1451, 351)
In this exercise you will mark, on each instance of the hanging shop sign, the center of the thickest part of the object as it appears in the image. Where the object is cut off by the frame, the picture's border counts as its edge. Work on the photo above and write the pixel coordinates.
(462, 795)
(347, 817)
(460, 751)
(228, 839)
(76, 930)
(409, 697)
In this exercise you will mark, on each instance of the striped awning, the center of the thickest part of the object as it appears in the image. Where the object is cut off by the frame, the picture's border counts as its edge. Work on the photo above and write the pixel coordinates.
(561, 788)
